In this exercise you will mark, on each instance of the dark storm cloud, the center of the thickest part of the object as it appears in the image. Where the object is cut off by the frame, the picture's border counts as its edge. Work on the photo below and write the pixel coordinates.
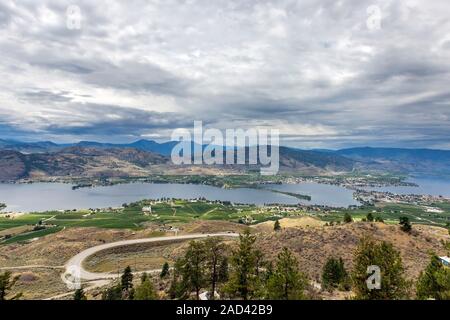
(67, 67)
(104, 120)
(46, 96)
(138, 77)
(126, 75)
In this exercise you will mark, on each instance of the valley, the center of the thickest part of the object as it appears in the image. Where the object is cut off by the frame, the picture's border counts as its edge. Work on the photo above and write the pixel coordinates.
(99, 194)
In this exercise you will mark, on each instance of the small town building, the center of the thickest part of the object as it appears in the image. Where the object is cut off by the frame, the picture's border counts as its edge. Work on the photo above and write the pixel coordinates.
(445, 261)
(147, 210)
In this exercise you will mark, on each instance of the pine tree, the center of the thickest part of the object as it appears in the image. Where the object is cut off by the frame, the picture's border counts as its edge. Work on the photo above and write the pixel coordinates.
(114, 293)
(178, 287)
(194, 267)
(127, 279)
(379, 219)
(277, 226)
(223, 270)
(348, 218)
(369, 217)
(269, 271)
(79, 295)
(243, 281)
(165, 270)
(145, 291)
(405, 225)
(286, 282)
(215, 255)
(259, 261)
(434, 281)
(334, 274)
(393, 284)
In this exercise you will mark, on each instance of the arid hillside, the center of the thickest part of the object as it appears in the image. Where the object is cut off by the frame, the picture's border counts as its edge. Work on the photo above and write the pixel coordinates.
(314, 244)
(78, 162)
(310, 240)
(100, 161)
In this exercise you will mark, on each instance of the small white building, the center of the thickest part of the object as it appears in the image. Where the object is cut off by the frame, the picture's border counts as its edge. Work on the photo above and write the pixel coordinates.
(206, 295)
(147, 210)
(445, 261)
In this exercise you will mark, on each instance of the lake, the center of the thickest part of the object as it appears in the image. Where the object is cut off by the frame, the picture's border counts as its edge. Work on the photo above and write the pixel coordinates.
(321, 194)
(427, 186)
(57, 196)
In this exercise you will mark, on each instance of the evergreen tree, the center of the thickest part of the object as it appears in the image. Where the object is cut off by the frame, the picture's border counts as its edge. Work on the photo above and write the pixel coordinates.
(243, 281)
(269, 271)
(434, 281)
(114, 293)
(223, 270)
(393, 284)
(369, 217)
(334, 274)
(215, 254)
(286, 282)
(405, 225)
(277, 226)
(194, 267)
(259, 261)
(145, 291)
(79, 295)
(348, 218)
(165, 270)
(127, 279)
(178, 287)
(379, 219)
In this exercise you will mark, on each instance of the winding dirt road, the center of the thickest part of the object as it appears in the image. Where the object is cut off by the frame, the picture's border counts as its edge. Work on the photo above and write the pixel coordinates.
(75, 265)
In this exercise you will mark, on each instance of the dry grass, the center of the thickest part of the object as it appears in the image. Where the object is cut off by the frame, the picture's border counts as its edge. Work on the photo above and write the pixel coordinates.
(139, 257)
(56, 249)
(310, 241)
(295, 222)
(16, 230)
(38, 284)
(313, 246)
(205, 226)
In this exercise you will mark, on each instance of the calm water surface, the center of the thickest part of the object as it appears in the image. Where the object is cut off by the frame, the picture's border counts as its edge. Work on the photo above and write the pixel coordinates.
(321, 194)
(57, 196)
(431, 186)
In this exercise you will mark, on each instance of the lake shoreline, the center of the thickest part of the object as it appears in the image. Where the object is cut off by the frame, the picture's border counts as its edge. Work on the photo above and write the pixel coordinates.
(56, 196)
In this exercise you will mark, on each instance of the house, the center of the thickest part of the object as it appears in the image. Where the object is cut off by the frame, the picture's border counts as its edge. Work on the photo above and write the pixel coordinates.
(445, 261)
(147, 210)
(206, 295)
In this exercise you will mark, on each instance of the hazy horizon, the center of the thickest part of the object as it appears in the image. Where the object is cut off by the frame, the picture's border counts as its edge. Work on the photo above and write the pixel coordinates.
(165, 141)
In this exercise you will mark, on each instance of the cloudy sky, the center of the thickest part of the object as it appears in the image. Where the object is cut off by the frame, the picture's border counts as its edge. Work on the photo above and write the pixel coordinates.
(327, 74)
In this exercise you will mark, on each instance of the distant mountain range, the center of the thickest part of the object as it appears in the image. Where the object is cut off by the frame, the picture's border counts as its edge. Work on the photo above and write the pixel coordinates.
(28, 159)
(47, 146)
(78, 162)
(419, 161)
